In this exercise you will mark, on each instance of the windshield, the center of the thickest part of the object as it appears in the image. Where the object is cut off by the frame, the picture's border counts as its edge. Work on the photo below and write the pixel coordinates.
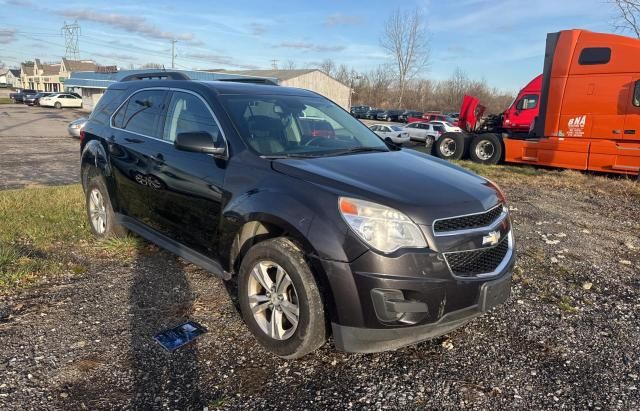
(276, 125)
(396, 128)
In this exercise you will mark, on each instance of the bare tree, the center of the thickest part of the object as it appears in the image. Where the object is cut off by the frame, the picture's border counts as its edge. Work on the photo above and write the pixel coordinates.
(405, 38)
(290, 65)
(328, 66)
(628, 16)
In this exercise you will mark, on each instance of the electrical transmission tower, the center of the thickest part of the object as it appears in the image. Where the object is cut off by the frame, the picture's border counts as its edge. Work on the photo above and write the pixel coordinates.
(71, 32)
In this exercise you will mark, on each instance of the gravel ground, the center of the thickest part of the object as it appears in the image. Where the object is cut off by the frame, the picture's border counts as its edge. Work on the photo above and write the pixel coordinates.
(35, 148)
(568, 338)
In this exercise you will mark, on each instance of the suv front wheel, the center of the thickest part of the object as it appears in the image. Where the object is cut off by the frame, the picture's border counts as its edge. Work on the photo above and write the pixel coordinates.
(280, 300)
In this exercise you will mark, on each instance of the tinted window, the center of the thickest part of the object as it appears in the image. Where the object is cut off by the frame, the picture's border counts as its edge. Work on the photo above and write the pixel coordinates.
(595, 55)
(142, 112)
(188, 114)
(105, 107)
(636, 94)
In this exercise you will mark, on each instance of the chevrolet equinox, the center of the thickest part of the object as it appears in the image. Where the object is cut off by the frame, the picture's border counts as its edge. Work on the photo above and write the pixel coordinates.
(326, 233)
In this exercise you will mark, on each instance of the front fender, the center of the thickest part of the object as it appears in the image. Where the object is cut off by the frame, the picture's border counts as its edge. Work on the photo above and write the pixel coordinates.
(310, 218)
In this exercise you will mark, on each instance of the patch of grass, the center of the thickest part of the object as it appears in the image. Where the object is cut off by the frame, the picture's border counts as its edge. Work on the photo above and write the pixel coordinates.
(37, 226)
(217, 403)
(122, 247)
(565, 304)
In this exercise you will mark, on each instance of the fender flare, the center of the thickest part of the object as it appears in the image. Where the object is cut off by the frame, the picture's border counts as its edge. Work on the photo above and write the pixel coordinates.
(94, 156)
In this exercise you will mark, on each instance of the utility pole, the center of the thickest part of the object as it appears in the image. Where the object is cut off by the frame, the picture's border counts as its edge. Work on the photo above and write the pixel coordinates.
(71, 33)
(173, 53)
(274, 64)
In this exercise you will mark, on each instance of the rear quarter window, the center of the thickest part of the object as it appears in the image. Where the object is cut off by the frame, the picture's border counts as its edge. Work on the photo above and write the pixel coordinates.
(106, 106)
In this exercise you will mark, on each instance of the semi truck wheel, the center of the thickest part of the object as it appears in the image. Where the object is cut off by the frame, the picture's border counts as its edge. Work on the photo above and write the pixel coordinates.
(486, 149)
(452, 146)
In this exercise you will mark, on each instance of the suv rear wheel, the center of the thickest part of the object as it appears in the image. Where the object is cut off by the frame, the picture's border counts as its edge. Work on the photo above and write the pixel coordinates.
(280, 300)
(99, 211)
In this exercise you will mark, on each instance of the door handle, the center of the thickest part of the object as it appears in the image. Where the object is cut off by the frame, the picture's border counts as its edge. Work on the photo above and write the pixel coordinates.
(617, 131)
(158, 158)
(133, 140)
(629, 132)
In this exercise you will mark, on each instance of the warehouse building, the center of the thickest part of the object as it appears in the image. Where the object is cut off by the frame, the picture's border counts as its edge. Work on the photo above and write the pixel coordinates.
(91, 85)
(310, 79)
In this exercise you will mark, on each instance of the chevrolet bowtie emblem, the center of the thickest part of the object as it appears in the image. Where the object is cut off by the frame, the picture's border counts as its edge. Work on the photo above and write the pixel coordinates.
(492, 238)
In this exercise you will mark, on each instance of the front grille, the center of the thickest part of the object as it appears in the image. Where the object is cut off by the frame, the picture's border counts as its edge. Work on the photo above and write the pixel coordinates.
(468, 222)
(474, 262)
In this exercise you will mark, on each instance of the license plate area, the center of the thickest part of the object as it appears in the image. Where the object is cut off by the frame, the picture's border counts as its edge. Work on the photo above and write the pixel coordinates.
(494, 293)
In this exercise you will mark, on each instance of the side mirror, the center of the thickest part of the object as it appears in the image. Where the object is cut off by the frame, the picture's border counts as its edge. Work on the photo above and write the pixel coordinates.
(198, 142)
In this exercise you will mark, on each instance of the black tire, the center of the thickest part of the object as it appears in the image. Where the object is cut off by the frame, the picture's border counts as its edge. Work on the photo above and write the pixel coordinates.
(452, 146)
(311, 330)
(110, 227)
(486, 149)
(428, 144)
(58, 105)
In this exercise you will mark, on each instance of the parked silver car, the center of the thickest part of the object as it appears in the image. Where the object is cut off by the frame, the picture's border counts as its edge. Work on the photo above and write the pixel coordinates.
(76, 126)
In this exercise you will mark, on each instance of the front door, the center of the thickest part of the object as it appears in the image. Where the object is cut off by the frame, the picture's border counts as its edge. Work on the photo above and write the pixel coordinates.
(187, 207)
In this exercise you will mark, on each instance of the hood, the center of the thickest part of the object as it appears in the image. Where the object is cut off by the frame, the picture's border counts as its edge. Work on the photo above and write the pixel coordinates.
(421, 186)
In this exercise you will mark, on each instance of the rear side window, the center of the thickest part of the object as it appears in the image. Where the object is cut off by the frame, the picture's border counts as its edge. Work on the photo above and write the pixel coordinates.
(636, 94)
(141, 112)
(594, 55)
(188, 114)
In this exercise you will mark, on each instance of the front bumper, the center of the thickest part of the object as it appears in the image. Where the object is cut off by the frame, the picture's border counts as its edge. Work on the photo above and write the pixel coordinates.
(366, 340)
(382, 302)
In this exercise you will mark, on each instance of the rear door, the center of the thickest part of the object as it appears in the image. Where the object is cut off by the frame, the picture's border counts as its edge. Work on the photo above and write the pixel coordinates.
(187, 206)
(135, 141)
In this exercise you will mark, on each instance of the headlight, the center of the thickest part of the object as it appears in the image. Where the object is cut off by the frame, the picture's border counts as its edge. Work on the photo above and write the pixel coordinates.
(383, 228)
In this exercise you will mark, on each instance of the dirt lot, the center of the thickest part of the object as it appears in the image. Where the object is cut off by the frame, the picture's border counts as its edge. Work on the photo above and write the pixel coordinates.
(35, 148)
(78, 335)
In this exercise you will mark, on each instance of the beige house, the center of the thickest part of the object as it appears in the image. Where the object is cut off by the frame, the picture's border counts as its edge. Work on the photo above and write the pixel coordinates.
(310, 79)
(50, 77)
(26, 75)
(46, 76)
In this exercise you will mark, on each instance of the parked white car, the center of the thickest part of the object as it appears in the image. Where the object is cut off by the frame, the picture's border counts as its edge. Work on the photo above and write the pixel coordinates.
(61, 100)
(397, 134)
(448, 127)
(420, 131)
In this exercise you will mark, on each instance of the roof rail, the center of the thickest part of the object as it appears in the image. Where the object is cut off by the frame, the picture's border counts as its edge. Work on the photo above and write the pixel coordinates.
(157, 75)
(255, 80)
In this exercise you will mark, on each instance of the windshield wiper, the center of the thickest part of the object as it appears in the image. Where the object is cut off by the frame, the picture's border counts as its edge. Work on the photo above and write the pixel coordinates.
(359, 150)
(281, 156)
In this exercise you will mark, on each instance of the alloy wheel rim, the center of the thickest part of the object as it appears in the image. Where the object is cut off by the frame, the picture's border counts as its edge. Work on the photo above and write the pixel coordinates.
(273, 300)
(448, 147)
(97, 211)
(485, 150)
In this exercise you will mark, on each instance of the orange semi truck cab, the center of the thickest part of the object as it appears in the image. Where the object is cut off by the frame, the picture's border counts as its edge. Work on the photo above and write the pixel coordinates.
(589, 115)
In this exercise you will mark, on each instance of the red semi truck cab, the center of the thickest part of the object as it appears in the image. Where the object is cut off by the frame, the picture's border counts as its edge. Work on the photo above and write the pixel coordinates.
(517, 118)
(524, 109)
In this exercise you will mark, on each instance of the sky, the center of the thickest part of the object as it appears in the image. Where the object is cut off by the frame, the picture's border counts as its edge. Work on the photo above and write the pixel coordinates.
(501, 41)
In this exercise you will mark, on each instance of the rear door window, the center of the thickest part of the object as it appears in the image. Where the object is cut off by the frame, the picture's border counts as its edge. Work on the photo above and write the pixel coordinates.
(142, 112)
